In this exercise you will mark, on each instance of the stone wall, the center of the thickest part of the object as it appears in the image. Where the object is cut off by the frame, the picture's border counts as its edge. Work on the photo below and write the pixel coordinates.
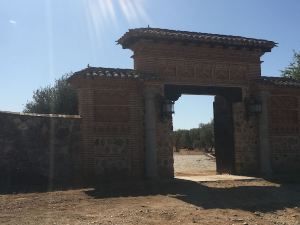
(165, 159)
(39, 151)
(246, 140)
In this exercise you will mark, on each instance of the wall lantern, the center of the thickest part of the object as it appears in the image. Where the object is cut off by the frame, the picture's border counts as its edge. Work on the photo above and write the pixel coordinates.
(253, 105)
(168, 108)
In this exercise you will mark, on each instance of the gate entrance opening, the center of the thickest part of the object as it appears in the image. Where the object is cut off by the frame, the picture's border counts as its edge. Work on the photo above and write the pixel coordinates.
(193, 136)
(223, 119)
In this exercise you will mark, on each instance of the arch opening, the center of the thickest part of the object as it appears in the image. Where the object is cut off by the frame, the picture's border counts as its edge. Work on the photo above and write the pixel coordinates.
(224, 98)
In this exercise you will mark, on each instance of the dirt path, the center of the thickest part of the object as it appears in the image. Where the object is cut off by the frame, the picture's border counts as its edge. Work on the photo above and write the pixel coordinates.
(165, 203)
(193, 163)
(176, 202)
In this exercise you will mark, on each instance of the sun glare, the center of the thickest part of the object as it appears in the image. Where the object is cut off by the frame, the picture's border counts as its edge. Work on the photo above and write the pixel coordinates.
(106, 13)
(133, 10)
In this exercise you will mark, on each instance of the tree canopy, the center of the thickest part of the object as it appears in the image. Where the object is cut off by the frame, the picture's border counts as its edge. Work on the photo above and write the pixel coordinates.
(60, 98)
(293, 69)
(201, 138)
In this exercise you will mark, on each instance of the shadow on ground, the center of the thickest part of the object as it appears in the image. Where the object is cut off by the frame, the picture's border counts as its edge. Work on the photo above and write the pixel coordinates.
(249, 198)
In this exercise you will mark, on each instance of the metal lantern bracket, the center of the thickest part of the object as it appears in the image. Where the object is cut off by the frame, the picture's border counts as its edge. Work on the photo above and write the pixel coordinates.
(167, 108)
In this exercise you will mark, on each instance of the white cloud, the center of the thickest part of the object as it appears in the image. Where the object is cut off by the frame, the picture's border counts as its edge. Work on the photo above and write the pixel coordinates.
(12, 21)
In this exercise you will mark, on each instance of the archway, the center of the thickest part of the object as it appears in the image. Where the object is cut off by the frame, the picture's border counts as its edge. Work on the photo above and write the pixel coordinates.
(223, 118)
(193, 136)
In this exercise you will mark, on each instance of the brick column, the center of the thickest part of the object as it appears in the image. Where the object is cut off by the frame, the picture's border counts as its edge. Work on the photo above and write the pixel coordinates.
(150, 134)
(265, 151)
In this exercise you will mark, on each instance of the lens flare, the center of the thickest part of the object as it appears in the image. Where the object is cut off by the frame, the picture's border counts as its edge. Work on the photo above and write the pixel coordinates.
(107, 14)
(133, 10)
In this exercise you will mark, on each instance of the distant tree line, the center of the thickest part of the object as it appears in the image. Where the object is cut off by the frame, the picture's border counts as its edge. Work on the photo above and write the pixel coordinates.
(196, 138)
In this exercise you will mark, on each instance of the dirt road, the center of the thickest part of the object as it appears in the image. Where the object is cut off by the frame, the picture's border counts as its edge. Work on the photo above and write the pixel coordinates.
(193, 163)
(177, 202)
(165, 203)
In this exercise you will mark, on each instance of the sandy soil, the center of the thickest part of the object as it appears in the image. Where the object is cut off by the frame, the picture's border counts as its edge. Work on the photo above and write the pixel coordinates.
(163, 202)
(176, 202)
(193, 163)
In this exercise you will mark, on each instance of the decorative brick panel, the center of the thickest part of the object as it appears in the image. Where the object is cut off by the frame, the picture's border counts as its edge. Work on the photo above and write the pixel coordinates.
(196, 63)
(113, 134)
(284, 123)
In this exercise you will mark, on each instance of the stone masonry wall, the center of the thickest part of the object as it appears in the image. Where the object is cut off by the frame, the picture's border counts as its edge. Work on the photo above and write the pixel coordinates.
(39, 151)
(165, 159)
(246, 141)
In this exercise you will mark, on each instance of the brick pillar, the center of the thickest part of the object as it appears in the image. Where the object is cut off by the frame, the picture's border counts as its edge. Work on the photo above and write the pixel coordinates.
(150, 134)
(265, 151)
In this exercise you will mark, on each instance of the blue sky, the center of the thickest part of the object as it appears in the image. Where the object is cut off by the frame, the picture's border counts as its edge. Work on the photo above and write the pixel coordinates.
(43, 39)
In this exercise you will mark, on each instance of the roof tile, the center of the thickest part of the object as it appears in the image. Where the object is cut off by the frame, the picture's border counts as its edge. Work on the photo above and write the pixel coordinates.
(112, 73)
(134, 35)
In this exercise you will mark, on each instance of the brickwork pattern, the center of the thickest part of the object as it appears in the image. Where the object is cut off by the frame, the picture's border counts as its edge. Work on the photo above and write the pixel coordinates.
(196, 64)
(284, 125)
(203, 65)
(112, 130)
(112, 108)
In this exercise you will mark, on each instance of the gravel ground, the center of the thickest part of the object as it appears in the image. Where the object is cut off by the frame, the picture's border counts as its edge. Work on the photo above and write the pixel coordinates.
(199, 163)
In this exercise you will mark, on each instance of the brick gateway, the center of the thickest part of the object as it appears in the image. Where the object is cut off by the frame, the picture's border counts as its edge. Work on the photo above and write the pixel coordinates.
(125, 130)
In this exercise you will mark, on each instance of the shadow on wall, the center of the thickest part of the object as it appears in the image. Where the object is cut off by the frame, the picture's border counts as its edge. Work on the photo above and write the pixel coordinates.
(38, 152)
(265, 198)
